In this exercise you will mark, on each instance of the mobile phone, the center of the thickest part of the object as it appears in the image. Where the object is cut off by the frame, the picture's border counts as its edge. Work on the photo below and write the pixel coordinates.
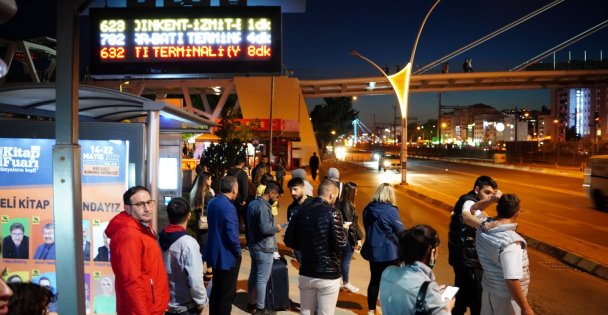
(449, 293)
(284, 225)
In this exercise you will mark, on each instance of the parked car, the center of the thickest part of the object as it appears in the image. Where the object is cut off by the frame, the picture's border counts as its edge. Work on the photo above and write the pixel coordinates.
(595, 181)
(389, 161)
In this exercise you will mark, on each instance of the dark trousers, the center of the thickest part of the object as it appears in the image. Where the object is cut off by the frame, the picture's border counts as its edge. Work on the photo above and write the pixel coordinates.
(375, 270)
(201, 239)
(469, 295)
(223, 289)
(313, 172)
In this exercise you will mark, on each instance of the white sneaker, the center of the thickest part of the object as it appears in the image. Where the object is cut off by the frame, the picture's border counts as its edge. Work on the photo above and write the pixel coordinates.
(350, 287)
(371, 313)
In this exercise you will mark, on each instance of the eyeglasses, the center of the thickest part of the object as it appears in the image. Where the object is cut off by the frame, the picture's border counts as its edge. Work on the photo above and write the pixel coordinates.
(141, 204)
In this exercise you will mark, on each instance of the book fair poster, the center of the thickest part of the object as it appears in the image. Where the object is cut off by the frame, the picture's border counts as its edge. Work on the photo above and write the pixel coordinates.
(26, 214)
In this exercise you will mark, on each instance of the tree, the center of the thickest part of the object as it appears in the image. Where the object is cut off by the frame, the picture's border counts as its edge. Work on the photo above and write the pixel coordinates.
(337, 114)
(219, 158)
(228, 130)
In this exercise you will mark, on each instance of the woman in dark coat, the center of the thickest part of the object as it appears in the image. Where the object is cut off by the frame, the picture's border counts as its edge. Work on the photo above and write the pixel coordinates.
(354, 233)
(382, 225)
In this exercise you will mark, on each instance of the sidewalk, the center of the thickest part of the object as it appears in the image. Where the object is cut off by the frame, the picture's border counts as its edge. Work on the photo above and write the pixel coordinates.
(348, 303)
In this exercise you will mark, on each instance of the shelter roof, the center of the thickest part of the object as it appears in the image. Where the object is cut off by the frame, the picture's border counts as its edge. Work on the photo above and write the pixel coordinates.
(97, 104)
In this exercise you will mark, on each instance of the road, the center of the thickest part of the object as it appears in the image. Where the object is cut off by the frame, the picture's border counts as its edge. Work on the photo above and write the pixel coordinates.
(555, 288)
(554, 208)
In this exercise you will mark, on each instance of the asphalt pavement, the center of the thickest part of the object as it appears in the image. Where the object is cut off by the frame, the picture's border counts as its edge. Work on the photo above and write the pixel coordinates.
(578, 253)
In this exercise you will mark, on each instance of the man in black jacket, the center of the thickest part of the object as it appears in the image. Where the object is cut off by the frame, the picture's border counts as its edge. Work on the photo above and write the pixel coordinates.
(466, 218)
(241, 199)
(317, 231)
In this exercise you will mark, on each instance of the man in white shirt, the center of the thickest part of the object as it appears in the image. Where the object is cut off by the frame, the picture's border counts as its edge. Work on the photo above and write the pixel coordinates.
(504, 258)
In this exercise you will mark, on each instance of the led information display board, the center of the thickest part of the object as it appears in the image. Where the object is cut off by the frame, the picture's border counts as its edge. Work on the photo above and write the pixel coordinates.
(184, 42)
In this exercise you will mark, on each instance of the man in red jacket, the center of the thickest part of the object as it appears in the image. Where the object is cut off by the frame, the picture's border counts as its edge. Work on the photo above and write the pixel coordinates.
(142, 286)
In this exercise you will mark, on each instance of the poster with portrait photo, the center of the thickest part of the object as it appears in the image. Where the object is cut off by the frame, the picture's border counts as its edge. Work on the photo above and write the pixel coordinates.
(15, 237)
(43, 240)
(87, 292)
(101, 243)
(15, 276)
(86, 239)
(104, 294)
(44, 277)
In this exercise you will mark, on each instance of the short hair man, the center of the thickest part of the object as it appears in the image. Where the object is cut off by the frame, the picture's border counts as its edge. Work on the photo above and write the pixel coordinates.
(317, 231)
(223, 251)
(313, 163)
(86, 245)
(16, 244)
(300, 200)
(301, 173)
(141, 280)
(240, 201)
(262, 244)
(503, 255)
(103, 252)
(183, 262)
(46, 250)
(466, 217)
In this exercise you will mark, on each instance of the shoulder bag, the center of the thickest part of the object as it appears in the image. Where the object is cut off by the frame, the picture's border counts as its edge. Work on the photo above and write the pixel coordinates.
(202, 220)
(421, 300)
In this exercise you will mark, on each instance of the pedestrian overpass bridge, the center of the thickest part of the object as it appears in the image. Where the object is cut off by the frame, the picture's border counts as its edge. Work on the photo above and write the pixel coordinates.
(451, 82)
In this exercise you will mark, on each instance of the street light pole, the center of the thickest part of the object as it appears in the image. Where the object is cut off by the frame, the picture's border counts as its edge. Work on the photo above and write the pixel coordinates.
(400, 82)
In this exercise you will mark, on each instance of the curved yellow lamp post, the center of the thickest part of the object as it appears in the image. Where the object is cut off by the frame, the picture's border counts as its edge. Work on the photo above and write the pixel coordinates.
(400, 82)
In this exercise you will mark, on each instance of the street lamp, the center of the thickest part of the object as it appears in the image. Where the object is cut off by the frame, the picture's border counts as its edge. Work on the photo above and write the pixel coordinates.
(400, 82)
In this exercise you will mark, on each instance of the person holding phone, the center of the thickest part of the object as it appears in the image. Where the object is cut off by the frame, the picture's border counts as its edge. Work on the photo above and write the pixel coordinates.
(400, 285)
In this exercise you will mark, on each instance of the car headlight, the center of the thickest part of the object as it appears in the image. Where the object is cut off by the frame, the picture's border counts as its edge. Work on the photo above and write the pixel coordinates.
(386, 163)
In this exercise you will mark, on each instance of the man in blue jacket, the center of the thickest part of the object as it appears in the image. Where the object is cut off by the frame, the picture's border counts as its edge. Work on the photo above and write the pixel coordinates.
(223, 251)
(262, 244)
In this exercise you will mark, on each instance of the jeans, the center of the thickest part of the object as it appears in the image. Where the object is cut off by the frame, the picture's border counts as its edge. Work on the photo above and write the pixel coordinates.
(261, 266)
(224, 289)
(322, 293)
(376, 268)
(347, 256)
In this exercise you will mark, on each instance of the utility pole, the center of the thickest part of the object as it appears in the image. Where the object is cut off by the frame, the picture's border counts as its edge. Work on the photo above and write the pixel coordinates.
(439, 135)
(374, 129)
(395, 125)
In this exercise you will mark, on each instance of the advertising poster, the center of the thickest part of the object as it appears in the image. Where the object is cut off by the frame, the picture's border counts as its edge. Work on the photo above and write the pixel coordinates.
(26, 214)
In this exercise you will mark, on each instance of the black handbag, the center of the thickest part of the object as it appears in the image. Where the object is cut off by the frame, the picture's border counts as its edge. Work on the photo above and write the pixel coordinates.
(421, 301)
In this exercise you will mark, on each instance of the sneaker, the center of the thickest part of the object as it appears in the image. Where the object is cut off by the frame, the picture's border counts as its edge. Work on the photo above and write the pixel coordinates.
(371, 312)
(350, 287)
(251, 308)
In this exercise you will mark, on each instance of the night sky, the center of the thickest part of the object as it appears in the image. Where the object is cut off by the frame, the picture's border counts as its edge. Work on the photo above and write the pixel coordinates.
(317, 43)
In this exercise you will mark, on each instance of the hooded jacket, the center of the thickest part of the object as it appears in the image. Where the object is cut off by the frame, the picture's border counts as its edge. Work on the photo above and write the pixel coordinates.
(184, 266)
(382, 224)
(141, 284)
